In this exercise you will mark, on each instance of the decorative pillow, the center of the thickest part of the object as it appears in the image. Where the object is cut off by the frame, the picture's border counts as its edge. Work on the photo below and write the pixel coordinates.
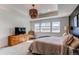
(75, 43)
(68, 39)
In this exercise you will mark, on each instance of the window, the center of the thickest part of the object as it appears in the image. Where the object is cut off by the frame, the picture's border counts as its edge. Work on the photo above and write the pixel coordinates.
(45, 27)
(37, 27)
(42, 27)
(55, 27)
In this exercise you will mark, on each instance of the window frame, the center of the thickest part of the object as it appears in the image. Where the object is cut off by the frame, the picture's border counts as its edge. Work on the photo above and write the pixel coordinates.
(55, 26)
(45, 26)
(50, 26)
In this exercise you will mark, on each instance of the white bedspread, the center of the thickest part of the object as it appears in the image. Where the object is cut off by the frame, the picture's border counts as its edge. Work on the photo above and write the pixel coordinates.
(52, 40)
(48, 45)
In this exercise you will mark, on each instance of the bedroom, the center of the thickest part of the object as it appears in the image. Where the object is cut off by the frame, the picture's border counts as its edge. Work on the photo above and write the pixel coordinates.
(52, 21)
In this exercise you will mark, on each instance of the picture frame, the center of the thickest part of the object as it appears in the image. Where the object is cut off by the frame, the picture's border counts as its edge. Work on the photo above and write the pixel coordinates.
(75, 21)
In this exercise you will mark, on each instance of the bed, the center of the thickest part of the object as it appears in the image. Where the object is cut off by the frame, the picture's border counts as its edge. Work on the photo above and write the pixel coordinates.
(48, 46)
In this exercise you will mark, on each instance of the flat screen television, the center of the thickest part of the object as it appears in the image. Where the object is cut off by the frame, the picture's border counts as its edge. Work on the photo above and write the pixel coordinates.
(20, 30)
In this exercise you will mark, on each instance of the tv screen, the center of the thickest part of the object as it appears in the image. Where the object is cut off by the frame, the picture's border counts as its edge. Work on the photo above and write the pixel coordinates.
(20, 30)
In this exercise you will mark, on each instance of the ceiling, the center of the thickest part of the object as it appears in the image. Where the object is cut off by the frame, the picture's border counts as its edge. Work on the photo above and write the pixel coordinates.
(43, 8)
(46, 10)
(53, 10)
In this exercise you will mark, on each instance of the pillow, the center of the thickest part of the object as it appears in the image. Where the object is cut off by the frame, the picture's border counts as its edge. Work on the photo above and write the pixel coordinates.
(68, 39)
(75, 43)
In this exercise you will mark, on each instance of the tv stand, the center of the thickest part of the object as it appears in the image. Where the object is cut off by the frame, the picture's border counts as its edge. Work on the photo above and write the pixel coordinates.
(15, 39)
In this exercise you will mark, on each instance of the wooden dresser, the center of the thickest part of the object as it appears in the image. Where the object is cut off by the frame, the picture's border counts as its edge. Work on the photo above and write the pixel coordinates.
(15, 39)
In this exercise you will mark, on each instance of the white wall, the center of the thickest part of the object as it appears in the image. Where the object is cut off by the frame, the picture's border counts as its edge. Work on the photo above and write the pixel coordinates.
(11, 16)
(63, 22)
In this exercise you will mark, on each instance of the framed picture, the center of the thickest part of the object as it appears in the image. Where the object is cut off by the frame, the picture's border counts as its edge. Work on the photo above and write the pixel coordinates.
(75, 21)
(78, 20)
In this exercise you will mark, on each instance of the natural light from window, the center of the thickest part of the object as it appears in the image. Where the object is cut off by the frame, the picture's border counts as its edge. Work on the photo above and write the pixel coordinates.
(56, 27)
(47, 27)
